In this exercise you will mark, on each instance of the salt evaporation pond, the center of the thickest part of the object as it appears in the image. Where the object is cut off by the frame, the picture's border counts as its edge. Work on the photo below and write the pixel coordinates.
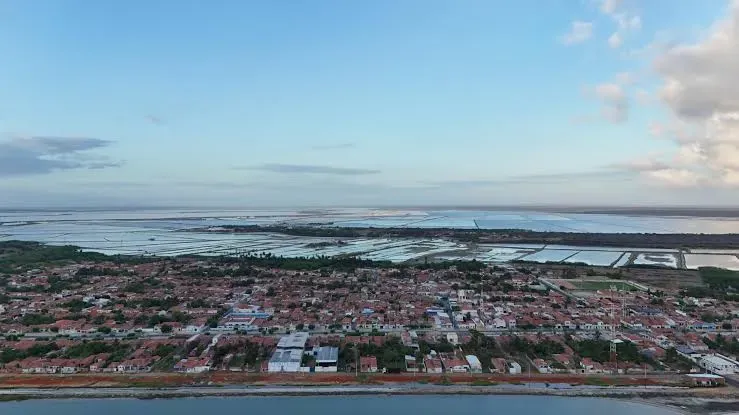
(549, 255)
(695, 261)
(602, 258)
(664, 260)
(170, 232)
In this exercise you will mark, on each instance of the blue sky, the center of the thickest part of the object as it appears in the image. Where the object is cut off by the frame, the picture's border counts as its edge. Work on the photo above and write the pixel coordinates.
(345, 102)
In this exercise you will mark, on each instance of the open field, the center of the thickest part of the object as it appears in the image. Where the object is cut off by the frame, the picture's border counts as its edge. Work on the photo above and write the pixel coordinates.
(663, 278)
(596, 285)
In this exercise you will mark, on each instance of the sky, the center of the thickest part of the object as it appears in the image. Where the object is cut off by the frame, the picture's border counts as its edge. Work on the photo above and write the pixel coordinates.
(368, 103)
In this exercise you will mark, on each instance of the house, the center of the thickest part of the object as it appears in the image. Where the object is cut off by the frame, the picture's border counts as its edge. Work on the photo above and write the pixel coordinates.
(368, 364)
(193, 365)
(514, 368)
(433, 365)
(452, 338)
(542, 366)
(140, 365)
(498, 365)
(327, 358)
(410, 364)
(474, 363)
(455, 365)
(589, 366)
(499, 323)
(705, 380)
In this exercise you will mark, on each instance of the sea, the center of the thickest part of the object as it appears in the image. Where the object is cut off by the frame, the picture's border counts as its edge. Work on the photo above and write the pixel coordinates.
(354, 405)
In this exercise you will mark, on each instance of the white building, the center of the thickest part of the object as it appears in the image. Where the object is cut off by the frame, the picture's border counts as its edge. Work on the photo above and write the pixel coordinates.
(289, 353)
(474, 362)
(285, 361)
(293, 341)
(719, 364)
(327, 358)
(514, 368)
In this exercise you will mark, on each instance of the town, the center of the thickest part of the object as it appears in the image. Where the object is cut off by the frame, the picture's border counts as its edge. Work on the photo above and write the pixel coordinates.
(198, 314)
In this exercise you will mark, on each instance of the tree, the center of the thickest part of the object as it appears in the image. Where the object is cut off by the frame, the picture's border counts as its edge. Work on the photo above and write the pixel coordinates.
(104, 329)
(165, 328)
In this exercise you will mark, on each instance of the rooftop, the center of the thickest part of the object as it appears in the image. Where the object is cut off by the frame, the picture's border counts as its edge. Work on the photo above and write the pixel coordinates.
(326, 354)
(293, 341)
(286, 356)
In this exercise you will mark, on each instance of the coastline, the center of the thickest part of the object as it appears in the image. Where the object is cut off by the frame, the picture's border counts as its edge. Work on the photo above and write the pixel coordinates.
(678, 399)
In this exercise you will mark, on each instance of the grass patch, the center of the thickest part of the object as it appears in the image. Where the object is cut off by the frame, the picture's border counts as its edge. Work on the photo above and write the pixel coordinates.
(444, 381)
(602, 285)
(596, 382)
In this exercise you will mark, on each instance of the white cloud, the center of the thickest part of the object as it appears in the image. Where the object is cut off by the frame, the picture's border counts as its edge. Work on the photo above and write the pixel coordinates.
(626, 22)
(624, 78)
(700, 90)
(642, 97)
(609, 6)
(674, 177)
(615, 41)
(614, 102)
(579, 32)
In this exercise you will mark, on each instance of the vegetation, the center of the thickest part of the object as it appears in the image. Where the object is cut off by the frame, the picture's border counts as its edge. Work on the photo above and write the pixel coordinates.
(8, 355)
(674, 359)
(20, 255)
(37, 319)
(245, 353)
(543, 349)
(720, 279)
(643, 240)
(599, 351)
(484, 347)
(89, 348)
(728, 345)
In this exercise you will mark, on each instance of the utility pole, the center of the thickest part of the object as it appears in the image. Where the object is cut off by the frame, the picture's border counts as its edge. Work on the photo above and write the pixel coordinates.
(645, 375)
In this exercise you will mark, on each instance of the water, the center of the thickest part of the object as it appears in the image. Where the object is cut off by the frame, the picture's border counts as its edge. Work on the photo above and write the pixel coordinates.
(142, 232)
(355, 405)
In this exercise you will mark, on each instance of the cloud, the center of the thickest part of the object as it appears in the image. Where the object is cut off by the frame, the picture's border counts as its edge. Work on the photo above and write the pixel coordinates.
(614, 102)
(615, 41)
(609, 6)
(313, 169)
(42, 155)
(641, 165)
(339, 146)
(642, 97)
(567, 177)
(579, 32)
(659, 172)
(674, 177)
(154, 119)
(700, 91)
(624, 78)
(625, 22)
